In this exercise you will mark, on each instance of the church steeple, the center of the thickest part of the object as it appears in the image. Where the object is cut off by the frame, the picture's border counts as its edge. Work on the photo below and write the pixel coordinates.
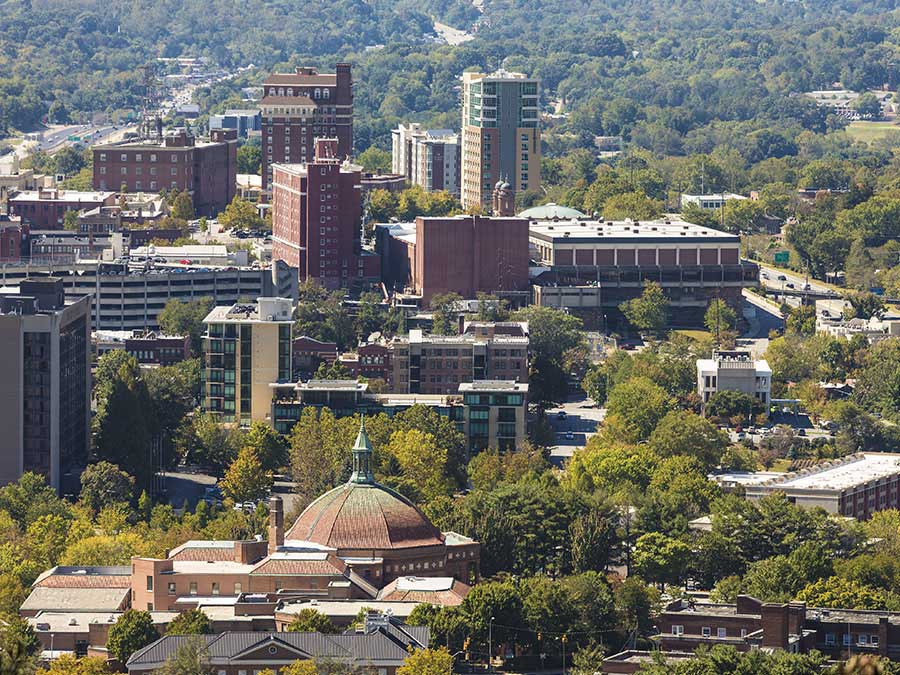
(362, 457)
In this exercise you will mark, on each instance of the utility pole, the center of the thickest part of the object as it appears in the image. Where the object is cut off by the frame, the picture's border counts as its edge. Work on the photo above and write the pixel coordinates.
(491, 645)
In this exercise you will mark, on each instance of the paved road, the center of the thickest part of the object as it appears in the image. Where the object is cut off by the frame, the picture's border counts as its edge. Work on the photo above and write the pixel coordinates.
(582, 418)
(191, 486)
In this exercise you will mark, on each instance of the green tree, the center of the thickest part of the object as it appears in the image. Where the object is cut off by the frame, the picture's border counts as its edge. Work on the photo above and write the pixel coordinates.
(12, 594)
(249, 159)
(19, 647)
(661, 559)
(70, 220)
(554, 336)
(444, 311)
(270, 446)
(640, 403)
(190, 658)
(595, 383)
(124, 424)
(726, 404)
(183, 208)
(719, 317)
(593, 541)
(311, 621)
(427, 662)
(189, 622)
(382, 205)
(422, 460)
(206, 442)
(375, 160)
(868, 106)
(865, 305)
(332, 371)
(69, 664)
(185, 318)
(684, 433)
(635, 205)
(240, 215)
(104, 483)
(648, 311)
(801, 320)
(246, 480)
(841, 593)
(132, 631)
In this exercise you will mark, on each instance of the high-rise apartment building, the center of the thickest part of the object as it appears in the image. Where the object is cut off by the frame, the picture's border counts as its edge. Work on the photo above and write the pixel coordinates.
(207, 169)
(246, 348)
(501, 135)
(427, 157)
(45, 352)
(317, 218)
(299, 107)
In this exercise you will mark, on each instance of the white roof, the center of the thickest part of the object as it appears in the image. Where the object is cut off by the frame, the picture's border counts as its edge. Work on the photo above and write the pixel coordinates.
(745, 477)
(197, 250)
(714, 195)
(710, 365)
(582, 228)
(431, 584)
(851, 471)
(348, 608)
(210, 567)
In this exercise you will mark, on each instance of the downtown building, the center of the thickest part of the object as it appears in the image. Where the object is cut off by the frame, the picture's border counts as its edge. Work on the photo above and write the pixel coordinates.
(501, 135)
(246, 349)
(45, 389)
(299, 107)
(429, 158)
(317, 219)
(177, 161)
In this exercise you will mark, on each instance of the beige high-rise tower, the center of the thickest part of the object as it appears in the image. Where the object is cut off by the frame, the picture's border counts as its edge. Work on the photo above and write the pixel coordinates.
(501, 135)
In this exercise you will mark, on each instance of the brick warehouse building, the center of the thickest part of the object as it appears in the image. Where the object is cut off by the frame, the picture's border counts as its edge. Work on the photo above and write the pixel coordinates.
(177, 161)
(463, 254)
(299, 107)
(349, 543)
(317, 218)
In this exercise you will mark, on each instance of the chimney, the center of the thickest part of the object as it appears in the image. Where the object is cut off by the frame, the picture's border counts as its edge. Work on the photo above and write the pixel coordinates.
(276, 524)
(775, 625)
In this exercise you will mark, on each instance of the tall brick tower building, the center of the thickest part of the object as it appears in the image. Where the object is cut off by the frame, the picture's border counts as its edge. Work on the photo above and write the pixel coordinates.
(317, 218)
(299, 107)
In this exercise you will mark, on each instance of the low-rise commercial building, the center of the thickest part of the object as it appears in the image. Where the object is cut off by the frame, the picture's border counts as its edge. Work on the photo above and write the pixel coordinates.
(590, 266)
(148, 347)
(46, 384)
(709, 202)
(380, 647)
(734, 371)
(45, 208)
(438, 364)
(855, 486)
(687, 624)
(244, 122)
(246, 348)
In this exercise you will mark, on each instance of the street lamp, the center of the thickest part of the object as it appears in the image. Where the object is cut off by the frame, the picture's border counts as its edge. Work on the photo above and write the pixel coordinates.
(491, 645)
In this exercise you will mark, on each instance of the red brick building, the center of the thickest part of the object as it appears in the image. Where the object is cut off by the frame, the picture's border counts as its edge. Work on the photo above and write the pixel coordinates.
(178, 161)
(10, 239)
(44, 209)
(317, 219)
(349, 543)
(463, 254)
(299, 107)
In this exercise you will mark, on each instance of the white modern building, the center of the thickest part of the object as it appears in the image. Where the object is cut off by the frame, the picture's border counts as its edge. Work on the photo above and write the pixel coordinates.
(427, 157)
(734, 371)
(709, 202)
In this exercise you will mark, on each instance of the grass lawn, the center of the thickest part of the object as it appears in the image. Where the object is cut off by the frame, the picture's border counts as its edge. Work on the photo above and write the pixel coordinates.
(781, 465)
(870, 131)
(695, 334)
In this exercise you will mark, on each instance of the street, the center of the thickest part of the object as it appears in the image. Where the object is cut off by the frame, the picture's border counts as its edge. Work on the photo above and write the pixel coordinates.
(581, 419)
(188, 486)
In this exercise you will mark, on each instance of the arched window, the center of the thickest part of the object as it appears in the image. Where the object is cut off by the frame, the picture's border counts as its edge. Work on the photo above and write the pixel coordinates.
(317, 94)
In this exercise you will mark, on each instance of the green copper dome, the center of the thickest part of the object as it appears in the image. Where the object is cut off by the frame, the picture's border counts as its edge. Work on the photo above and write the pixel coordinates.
(551, 211)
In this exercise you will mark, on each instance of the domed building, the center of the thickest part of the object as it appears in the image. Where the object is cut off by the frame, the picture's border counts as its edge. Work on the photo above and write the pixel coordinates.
(551, 211)
(350, 543)
(379, 532)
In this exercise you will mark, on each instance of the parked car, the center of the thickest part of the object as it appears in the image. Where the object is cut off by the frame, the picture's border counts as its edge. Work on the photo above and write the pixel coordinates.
(561, 415)
(781, 277)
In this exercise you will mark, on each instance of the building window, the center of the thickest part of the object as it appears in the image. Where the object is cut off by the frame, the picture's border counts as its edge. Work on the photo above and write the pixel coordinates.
(102, 156)
(846, 639)
(124, 170)
(174, 171)
(193, 590)
(171, 588)
(829, 638)
(215, 588)
(237, 587)
(102, 170)
(706, 631)
(863, 639)
(149, 583)
(677, 630)
(152, 158)
(873, 640)
(174, 158)
(721, 633)
(124, 157)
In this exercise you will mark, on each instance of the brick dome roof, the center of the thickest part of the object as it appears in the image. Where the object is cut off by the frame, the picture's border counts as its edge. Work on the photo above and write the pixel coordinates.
(362, 514)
